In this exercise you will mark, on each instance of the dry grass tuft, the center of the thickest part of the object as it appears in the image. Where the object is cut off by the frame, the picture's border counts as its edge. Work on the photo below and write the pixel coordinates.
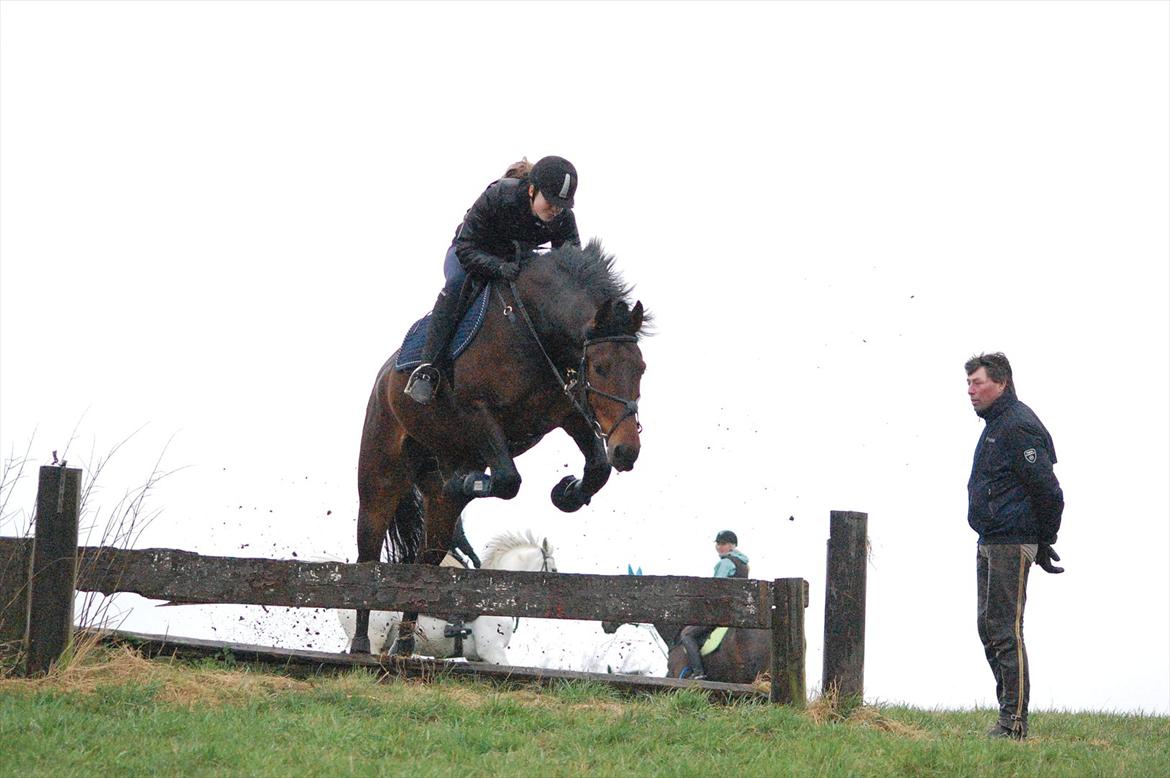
(93, 667)
(829, 708)
(869, 717)
(825, 707)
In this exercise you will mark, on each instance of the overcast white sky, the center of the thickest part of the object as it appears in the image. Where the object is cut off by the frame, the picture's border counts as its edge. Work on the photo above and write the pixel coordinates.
(218, 219)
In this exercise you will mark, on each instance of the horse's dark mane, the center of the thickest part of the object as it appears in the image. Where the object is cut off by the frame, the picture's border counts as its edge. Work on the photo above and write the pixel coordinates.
(589, 272)
(590, 269)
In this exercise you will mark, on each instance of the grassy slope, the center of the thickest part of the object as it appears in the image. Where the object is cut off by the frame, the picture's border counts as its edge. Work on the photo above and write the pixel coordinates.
(114, 712)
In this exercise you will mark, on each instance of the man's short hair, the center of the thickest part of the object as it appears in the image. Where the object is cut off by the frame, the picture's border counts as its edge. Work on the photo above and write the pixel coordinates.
(998, 368)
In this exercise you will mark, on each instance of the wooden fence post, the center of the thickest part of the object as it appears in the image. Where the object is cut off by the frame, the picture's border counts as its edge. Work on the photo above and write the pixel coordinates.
(844, 667)
(14, 574)
(54, 567)
(788, 665)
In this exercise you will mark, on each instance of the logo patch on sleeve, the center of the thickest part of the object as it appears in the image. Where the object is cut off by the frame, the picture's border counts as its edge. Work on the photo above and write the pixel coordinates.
(1030, 455)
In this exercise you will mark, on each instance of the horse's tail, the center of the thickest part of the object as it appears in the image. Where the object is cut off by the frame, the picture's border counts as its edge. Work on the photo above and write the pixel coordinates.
(404, 536)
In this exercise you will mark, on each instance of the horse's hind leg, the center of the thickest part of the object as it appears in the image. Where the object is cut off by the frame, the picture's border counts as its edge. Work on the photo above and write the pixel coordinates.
(399, 517)
(376, 507)
(442, 512)
(387, 503)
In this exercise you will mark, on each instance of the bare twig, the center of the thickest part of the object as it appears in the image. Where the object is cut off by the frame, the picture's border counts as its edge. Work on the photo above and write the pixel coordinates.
(10, 474)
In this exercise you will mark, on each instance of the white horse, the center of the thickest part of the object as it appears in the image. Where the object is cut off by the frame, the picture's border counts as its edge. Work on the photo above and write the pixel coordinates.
(489, 636)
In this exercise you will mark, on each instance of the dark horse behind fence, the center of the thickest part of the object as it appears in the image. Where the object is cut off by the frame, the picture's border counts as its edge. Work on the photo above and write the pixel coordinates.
(742, 655)
(558, 348)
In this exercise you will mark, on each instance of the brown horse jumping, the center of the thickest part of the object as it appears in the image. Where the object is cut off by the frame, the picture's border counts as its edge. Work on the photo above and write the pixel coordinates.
(558, 348)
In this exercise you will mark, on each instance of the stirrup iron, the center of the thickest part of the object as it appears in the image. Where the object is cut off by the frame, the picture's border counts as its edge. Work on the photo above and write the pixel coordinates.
(422, 383)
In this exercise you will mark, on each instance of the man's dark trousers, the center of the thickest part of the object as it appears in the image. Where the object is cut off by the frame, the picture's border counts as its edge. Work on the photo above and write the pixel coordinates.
(1002, 576)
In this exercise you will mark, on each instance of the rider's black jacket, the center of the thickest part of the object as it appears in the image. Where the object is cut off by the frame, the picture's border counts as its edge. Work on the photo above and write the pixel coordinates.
(1013, 495)
(502, 220)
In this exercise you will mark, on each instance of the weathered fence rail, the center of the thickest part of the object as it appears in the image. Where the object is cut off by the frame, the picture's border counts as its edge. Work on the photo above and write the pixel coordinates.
(187, 578)
(39, 577)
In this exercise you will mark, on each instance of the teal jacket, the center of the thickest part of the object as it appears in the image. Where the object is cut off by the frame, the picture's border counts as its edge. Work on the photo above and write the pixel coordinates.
(725, 568)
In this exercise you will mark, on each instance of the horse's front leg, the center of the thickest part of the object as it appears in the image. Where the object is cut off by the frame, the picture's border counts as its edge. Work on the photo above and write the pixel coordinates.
(492, 444)
(572, 492)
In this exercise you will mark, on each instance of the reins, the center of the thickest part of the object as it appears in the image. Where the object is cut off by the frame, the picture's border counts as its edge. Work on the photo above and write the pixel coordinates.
(568, 386)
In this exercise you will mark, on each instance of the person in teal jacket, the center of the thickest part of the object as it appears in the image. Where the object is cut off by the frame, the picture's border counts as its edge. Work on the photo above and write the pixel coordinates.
(732, 563)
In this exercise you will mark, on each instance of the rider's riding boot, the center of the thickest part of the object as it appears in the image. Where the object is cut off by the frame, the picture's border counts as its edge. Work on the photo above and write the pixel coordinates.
(694, 659)
(423, 382)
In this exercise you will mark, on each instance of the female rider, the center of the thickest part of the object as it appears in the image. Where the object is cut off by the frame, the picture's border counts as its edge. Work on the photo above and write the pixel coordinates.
(523, 210)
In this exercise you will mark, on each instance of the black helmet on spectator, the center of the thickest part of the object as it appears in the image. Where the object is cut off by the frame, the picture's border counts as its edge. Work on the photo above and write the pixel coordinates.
(556, 179)
(727, 536)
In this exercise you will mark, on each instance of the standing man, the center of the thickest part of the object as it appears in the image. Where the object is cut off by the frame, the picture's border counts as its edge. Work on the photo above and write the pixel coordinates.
(1015, 504)
(732, 563)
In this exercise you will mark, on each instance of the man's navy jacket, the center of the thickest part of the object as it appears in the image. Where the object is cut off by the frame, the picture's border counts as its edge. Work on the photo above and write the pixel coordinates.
(1013, 495)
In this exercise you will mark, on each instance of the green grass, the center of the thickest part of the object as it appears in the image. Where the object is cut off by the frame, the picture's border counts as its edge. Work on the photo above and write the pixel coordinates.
(113, 713)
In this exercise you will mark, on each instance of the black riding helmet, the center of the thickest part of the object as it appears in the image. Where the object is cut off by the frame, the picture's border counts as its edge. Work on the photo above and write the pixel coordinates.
(556, 179)
(727, 536)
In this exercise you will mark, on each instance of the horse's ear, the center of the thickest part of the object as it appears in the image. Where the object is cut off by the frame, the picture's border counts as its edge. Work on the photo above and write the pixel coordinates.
(636, 318)
(601, 318)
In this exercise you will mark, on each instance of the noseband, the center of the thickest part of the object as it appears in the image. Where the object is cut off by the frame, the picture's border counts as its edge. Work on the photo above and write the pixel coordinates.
(570, 384)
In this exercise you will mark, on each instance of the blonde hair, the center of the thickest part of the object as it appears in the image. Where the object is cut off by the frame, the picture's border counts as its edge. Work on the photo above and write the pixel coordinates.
(519, 169)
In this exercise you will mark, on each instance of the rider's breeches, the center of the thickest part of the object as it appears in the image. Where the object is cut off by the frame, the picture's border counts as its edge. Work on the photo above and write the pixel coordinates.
(1002, 578)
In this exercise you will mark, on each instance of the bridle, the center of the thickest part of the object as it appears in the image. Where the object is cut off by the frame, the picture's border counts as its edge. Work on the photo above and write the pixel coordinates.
(631, 406)
(545, 567)
(575, 383)
(546, 557)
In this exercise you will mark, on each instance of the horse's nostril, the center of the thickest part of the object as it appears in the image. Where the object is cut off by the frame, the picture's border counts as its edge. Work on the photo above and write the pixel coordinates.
(624, 457)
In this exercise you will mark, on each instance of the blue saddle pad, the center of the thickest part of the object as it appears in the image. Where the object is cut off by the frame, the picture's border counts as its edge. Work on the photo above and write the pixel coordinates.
(410, 355)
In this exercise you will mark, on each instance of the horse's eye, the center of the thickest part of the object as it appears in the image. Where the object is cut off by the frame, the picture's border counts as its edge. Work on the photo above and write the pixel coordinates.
(602, 370)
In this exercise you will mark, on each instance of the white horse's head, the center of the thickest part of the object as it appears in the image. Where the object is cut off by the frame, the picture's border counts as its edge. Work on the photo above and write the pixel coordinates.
(519, 551)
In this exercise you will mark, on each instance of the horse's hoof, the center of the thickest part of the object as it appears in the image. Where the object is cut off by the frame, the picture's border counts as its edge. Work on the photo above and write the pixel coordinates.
(566, 495)
(360, 646)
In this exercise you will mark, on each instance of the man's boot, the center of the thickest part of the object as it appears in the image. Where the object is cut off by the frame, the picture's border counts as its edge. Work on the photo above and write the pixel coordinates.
(423, 382)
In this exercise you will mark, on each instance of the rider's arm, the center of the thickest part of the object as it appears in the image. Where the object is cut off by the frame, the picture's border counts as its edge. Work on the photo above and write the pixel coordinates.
(478, 226)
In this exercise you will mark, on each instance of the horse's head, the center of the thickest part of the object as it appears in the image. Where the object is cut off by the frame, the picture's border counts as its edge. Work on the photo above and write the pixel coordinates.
(521, 552)
(613, 370)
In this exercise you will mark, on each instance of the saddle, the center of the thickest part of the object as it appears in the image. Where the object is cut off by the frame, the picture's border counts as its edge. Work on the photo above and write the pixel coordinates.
(410, 354)
(713, 640)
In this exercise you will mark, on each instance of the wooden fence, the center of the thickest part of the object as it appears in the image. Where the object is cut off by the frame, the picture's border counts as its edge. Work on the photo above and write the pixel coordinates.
(38, 578)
